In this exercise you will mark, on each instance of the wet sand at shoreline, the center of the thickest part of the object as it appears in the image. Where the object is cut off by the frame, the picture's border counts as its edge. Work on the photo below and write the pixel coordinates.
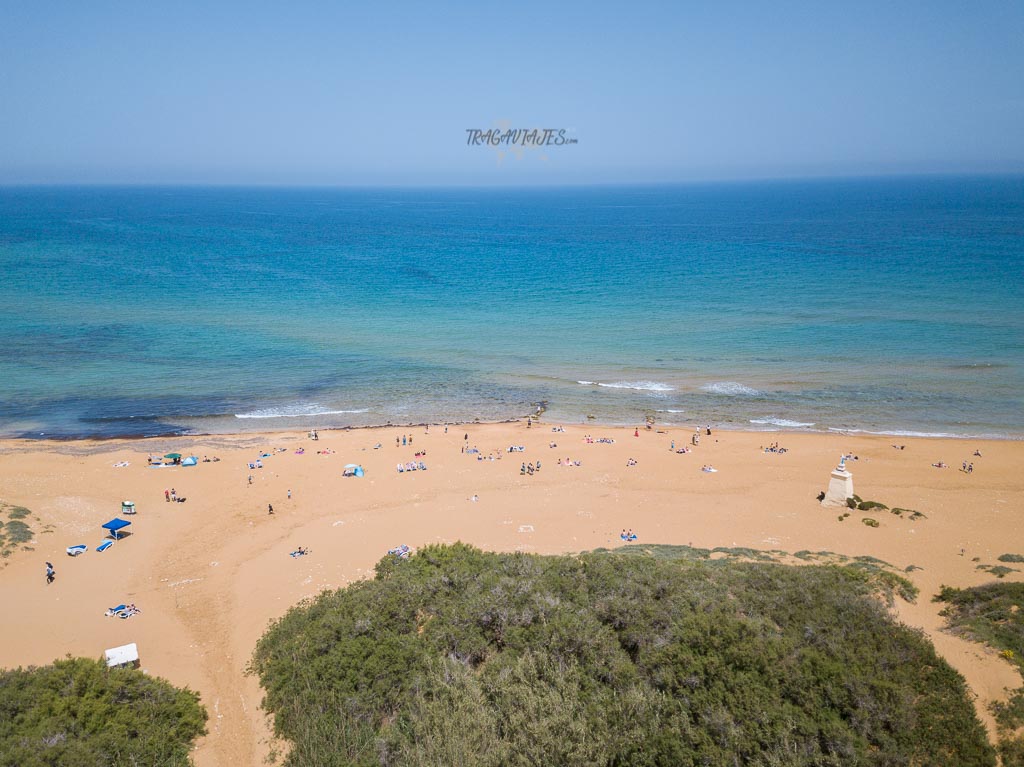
(211, 573)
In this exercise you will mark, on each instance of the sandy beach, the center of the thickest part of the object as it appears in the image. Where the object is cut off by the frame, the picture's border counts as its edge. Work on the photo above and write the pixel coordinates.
(209, 574)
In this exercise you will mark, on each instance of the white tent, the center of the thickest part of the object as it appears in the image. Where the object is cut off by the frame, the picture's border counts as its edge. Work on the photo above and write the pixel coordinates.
(125, 655)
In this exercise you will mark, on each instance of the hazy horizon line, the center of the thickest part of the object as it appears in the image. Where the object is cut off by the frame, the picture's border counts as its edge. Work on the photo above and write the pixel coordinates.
(710, 181)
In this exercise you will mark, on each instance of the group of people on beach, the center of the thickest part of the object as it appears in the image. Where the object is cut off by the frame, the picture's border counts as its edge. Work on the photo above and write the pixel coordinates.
(774, 448)
(411, 466)
(529, 468)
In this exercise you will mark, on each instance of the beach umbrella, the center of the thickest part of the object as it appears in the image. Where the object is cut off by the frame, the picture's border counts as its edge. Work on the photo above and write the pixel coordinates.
(173, 456)
(114, 525)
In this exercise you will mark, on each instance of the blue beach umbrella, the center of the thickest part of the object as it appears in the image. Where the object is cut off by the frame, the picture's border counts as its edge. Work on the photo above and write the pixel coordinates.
(116, 524)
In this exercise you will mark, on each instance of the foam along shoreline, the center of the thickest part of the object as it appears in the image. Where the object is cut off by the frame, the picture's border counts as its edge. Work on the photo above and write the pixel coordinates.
(753, 425)
(211, 573)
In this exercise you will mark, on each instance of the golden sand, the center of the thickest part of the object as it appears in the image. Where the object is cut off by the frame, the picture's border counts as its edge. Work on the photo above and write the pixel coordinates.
(211, 573)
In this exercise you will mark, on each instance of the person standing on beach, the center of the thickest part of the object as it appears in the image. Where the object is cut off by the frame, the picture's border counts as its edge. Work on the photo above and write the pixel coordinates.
(167, 495)
(289, 494)
(270, 508)
(51, 574)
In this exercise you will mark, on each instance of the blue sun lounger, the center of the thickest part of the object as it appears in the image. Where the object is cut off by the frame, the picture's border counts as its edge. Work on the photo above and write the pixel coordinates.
(104, 546)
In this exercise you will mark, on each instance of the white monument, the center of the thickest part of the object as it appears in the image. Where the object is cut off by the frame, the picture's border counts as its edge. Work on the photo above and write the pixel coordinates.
(840, 485)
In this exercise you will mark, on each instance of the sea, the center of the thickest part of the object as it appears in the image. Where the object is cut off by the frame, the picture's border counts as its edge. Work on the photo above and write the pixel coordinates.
(891, 305)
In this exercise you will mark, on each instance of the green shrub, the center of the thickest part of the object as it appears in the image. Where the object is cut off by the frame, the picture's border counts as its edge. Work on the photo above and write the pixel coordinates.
(868, 505)
(457, 656)
(78, 712)
(1011, 557)
(870, 522)
(17, 532)
(852, 503)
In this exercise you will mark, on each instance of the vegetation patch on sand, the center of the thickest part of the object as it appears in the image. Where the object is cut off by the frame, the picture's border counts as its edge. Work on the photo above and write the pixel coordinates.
(999, 571)
(78, 712)
(14, 530)
(456, 656)
(994, 614)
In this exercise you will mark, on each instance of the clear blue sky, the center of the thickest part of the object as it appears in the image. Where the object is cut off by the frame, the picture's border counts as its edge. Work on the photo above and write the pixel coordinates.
(344, 93)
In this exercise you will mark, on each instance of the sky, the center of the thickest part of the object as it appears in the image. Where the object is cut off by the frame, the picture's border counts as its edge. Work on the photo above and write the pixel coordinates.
(339, 93)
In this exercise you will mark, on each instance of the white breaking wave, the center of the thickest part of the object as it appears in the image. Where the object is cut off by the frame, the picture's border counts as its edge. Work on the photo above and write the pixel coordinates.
(587, 383)
(730, 388)
(637, 385)
(669, 410)
(783, 423)
(295, 411)
(900, 433)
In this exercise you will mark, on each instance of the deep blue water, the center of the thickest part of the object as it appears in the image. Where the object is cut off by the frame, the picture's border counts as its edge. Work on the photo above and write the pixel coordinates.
(882, 305)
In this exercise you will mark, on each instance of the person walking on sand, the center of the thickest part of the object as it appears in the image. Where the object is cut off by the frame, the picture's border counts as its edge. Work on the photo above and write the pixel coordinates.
(289, 494)
(970, 468)
(167, 495)
(270, 508)
(51, 574)
(636, 432)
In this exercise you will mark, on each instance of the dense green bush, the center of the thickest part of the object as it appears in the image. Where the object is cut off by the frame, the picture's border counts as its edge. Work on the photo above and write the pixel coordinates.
(1011, 557)
(456, 656)
(79, 712)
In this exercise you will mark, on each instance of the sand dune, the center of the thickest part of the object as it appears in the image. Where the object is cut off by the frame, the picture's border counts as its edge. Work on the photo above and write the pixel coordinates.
(210, 573)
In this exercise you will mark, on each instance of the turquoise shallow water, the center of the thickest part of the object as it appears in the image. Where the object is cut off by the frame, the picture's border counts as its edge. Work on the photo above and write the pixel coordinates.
(881, 305)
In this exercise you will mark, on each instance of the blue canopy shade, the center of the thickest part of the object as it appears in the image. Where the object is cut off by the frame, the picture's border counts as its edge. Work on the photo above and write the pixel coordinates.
(116, 524)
